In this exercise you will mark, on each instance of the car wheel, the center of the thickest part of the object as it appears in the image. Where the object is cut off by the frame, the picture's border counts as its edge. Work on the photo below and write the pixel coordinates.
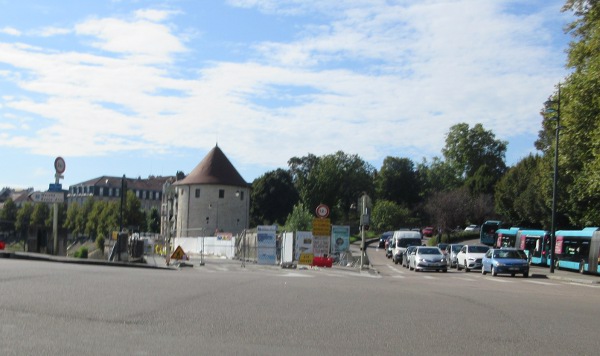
(582, 267)
(445, 270)
(525, 274)
(483, 271)
(415, 269)
(494, 273)
(396, 261)
(466, 268)
(512, 274)
(458, 266)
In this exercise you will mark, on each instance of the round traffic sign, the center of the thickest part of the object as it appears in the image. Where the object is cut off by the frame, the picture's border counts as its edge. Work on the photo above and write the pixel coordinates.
(322, 211)
(59, 165)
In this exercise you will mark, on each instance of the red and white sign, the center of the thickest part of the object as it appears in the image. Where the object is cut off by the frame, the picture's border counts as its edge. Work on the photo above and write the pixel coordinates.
(322, 211)
(59, 165)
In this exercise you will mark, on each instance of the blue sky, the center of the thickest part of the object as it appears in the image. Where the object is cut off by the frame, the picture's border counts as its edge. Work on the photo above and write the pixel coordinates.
(147, 87)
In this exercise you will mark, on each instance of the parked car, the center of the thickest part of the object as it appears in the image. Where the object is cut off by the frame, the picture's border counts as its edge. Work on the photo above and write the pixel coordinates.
(407, 253)
(474, 228)
(451, 252)
(401, 240)
(505, 260)
(427, 258)
(428, 231)
(469, 257)
(384, 238)
(389, 249)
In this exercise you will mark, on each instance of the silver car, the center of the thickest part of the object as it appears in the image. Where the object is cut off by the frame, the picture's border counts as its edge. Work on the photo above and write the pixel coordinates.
(451, 252)
(427, 258)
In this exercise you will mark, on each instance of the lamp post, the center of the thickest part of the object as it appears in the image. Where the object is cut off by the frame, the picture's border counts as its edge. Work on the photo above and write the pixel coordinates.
(554, 180)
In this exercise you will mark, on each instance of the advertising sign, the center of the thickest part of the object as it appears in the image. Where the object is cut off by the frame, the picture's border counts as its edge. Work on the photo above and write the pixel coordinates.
(304, 243)
(340, 238)
(267, 245)
(321, 245)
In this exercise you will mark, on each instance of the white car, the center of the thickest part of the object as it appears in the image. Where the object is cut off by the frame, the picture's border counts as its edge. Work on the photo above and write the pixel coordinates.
(469, 257)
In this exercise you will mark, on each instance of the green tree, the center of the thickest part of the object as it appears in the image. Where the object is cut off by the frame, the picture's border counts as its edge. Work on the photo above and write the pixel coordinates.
(154, 221)
(272, 198)
(437, 176)
(300, 219)
(579, 154)
(398, 181)
(336, 180)
(73, 212)
(40, 215)
(475, 156)
(8, 216)
(521, 194)
(133, 216)
(388, 215)
(23, 220)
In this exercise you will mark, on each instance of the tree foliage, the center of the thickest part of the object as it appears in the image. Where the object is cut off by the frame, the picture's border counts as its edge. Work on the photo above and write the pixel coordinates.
(475, 156)
(336, 180)
(272, 198)
(388, 215)
(398, 181)
(300, 219)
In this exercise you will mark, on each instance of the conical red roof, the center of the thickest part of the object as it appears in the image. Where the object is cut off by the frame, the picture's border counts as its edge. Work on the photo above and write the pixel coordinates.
(215, 168)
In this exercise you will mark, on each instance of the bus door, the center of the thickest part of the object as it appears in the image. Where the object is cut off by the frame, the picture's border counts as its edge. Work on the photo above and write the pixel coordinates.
(533, 246)
(594, 259)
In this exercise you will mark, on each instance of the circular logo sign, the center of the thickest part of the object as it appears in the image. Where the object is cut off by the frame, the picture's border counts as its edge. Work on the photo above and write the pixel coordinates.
(322, 211)
(59, 165)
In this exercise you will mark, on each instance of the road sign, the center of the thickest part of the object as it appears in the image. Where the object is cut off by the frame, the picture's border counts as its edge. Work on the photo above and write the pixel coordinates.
(55, 187)
(322, 211)
(321, 227)
(178, 254)
(48, 197)
(59, 165)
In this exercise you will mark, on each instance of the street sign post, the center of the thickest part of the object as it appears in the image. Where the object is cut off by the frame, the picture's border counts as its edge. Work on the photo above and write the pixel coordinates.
(48, 197)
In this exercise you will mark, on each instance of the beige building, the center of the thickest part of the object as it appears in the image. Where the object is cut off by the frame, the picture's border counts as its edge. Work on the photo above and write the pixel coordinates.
(212, 198)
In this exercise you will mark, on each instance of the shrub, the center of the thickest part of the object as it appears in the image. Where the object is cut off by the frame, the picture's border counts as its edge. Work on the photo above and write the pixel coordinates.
(81, 253)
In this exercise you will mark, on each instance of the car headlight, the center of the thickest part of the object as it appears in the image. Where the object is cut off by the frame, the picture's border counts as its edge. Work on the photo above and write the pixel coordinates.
(471, 259)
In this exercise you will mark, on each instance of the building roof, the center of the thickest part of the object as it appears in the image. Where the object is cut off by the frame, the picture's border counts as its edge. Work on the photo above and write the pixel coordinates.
(150, 183)
(215, 168)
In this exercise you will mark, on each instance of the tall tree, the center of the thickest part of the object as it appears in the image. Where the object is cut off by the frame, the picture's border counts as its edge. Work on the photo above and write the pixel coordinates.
(8, 216)
(273, 197)
(579, 156)
(337, 180)
(398, 181)
(23, 220)
(522, 194)
(476, 156)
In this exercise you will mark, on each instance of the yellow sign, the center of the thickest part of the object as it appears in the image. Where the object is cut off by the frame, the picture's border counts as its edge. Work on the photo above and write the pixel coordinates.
(115, 234)
(178, 254)
(321, 227)
(306, 259)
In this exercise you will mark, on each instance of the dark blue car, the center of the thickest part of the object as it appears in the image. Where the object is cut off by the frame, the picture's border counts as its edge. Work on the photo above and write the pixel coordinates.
(505, 260)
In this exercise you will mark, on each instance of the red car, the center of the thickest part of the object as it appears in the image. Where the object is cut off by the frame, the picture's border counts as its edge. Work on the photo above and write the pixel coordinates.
(428, 231)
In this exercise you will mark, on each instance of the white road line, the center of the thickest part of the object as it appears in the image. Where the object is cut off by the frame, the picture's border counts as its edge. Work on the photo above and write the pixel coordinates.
(465, 279)
(542, 283)
(499, 280)
(584, 285)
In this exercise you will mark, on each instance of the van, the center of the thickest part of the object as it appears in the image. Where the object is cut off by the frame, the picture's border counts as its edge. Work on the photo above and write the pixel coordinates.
(401, 240)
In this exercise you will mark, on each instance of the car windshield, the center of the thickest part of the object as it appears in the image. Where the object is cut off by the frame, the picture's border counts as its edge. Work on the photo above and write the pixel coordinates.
(429, 251)
(409, 242)
(509, 254)
(442, 246)
(456, 248)
(478, 249)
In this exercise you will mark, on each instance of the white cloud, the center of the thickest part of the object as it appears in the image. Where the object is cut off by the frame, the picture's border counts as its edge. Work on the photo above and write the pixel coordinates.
(377, 79)
(10, 31)
(52, 31)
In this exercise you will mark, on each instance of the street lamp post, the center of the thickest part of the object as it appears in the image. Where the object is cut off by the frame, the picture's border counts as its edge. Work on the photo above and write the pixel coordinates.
(554, 183)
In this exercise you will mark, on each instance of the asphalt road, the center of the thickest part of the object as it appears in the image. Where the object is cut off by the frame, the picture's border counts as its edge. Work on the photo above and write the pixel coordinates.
(221, 308)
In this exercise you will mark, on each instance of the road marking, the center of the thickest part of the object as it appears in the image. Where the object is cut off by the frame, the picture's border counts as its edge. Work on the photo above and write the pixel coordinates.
(429, 277)
(294, 274)
(465, 279)
(542, 283)
(583, 285)
(498, 280)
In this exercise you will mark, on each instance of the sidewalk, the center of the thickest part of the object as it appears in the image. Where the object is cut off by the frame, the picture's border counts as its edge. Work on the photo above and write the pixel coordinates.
(563, 275)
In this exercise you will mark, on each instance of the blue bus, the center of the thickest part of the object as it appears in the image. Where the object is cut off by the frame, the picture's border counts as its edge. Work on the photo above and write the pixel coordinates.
(536, 244)
(487, 234)
(506, 237)
(578, 250)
